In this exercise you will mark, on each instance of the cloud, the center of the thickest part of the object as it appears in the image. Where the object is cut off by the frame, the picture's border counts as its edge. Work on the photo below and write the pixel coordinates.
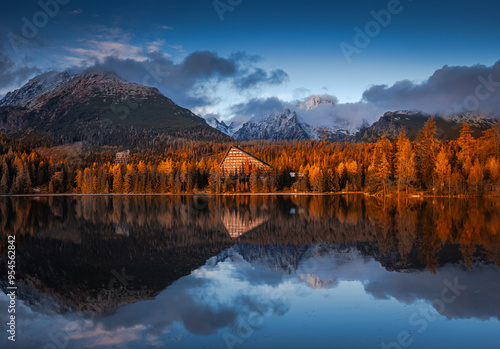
(100, 50)
(259, 76)
(12, 74)
(166, 27)
(300, 92)
(256, 109)
(448, 90)
(260, 283)
(471, 302)
(343, 115)
(191, 83)
(245, 57)
(201, 303)
(155, 46)
(205, 64)
(355, 114)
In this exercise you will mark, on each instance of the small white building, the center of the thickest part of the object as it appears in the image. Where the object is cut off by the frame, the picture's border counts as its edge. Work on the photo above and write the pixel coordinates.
(122, 157)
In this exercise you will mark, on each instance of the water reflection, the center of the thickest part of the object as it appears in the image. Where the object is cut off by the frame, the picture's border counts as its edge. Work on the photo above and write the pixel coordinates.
(238, 223)
(182, 271)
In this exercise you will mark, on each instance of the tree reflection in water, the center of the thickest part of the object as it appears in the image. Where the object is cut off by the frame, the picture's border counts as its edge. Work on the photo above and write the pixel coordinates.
(70, 244)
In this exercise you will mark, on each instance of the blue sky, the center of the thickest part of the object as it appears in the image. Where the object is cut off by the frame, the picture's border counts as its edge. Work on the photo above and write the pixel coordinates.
(270, 49)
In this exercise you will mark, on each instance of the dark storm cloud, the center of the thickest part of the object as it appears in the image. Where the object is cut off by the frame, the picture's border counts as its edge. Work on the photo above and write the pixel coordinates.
(191, 83)
(448, 90)
(207, 64)
(259, 76)
(252, 79)
(13, 74)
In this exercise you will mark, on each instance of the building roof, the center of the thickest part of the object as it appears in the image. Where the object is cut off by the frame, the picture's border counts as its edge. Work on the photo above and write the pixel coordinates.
(238, 148)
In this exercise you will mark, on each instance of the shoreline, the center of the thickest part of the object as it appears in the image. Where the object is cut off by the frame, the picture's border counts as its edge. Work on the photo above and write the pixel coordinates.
(171, 194)
(391, 196)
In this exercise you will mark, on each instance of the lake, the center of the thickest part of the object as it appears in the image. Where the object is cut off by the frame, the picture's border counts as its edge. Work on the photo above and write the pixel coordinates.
(284, 271)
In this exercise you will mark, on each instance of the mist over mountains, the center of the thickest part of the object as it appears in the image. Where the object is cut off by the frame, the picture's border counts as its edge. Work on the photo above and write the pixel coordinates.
(316, 118)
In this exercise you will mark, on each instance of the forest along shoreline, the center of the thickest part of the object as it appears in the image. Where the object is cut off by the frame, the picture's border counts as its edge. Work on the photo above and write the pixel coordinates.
(425, 166)
(208, 194)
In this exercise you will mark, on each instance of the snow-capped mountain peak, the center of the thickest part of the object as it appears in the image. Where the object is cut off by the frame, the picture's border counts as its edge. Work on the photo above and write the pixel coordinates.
(279, 125)
(313, 101)
(212, 121)
(474, 119)
(287, 125)
(34, 88)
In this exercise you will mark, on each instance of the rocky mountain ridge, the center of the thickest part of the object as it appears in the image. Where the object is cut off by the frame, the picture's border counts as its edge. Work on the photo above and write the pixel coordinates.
(97, 107)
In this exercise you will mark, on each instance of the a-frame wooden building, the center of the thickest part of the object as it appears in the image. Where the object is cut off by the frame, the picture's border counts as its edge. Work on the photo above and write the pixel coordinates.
(239, 223)
(236, 160)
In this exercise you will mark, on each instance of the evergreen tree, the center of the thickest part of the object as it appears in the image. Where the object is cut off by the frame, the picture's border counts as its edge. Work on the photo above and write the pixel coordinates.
(379, 170)
(476, 176)
(426, 150)
(5, 179)
(405, 163)
(466, 144)
(443, 172)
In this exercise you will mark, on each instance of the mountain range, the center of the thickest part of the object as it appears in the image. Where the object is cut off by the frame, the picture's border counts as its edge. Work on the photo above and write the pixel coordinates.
(288, 124)
(97, 107)
(101, 109)
(391, 123)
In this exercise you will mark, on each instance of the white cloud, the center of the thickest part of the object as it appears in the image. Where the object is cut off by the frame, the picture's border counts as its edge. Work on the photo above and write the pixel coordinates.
(99, 50)
(156, 45)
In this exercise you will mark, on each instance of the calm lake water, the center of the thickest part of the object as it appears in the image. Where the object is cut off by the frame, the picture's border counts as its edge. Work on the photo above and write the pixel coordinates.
(324, 271)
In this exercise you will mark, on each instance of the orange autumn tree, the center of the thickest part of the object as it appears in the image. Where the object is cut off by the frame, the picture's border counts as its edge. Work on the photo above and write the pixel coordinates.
(443, 172)
(426, 149)
(405, 163)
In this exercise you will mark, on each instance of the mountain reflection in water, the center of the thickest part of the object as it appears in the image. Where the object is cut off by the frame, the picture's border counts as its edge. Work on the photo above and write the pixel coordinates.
(187, 271)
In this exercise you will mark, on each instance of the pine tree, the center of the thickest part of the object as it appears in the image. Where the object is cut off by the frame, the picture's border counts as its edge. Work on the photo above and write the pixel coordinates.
(466, 143)
(476, 176)
(254, 181)
(117, 179)
(129, 179)
(21, 182)
(426, 150)
(87, 181)
(488, 145)
(443, 171)
(405, 163)
(379, 170)
(341, 172)
(4, 181)
(78, 181)
(315, 178)
(492, 170)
